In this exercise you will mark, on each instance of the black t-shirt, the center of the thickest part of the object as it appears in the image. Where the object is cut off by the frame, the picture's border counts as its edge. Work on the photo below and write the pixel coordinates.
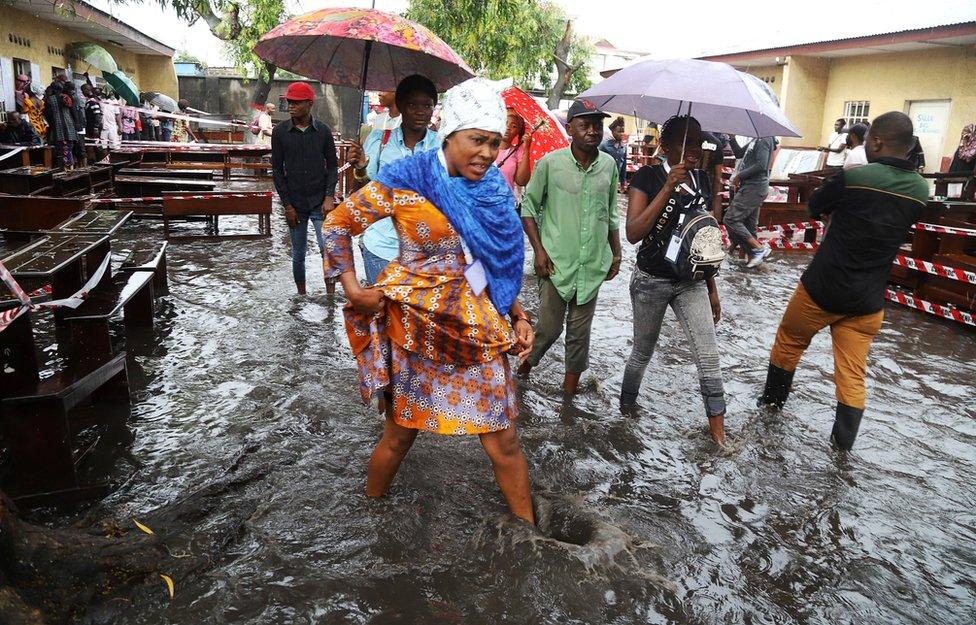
(650, 179)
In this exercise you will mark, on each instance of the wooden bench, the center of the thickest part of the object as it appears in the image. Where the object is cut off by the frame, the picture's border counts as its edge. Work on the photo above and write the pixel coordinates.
(214, 207)
(164, 172)
(22, 212)
(130, 292)
(32, 180)
(149, 257)
(141, 186)
(38, 418)
(38, 421)
(71, 183)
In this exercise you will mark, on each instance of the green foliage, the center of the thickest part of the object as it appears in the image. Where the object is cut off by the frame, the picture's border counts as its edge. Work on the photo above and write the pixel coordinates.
(505, 38)
(185, 57)
(238, 24)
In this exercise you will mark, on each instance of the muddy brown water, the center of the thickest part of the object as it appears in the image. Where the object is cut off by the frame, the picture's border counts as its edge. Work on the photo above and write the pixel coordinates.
(645, 520)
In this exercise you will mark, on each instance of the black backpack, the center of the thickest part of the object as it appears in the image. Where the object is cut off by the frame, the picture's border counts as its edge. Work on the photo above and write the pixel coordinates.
(693, 251)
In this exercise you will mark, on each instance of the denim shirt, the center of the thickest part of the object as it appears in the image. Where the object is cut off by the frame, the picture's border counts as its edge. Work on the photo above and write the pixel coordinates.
(381, 238)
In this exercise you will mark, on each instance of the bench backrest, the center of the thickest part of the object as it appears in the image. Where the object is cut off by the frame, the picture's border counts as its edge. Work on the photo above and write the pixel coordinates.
(173, 207)
(22, 212)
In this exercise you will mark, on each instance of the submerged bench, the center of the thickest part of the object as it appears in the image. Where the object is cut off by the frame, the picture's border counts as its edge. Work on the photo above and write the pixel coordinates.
(130, 292)
(215, 206)
(150, 257)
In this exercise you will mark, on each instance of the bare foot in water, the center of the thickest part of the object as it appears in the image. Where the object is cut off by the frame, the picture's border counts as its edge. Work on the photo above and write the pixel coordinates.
(716, 427)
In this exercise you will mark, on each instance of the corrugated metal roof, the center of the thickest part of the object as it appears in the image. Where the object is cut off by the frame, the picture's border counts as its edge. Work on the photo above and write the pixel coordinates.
(853, 38)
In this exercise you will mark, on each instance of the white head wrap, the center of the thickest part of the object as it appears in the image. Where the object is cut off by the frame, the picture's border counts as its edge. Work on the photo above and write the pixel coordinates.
(475, 103)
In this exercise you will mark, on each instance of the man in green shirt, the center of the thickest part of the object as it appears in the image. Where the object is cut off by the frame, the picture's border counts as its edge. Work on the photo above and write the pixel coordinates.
(569, 213)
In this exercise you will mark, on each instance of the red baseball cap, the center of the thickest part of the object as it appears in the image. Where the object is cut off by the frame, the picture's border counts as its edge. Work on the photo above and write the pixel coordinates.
(300, 91)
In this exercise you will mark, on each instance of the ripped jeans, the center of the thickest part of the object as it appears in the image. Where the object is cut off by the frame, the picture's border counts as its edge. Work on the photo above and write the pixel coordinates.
(651, 296)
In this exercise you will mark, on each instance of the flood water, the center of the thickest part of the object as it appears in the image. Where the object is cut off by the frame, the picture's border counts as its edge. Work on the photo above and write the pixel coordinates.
(645, 520)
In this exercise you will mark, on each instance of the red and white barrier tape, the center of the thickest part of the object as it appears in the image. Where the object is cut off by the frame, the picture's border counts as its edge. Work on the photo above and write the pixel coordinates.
(74, 301)
(780, 244)
(160, 198)
(936, 269)
(803, 225)
(946, 229)
(946, 312)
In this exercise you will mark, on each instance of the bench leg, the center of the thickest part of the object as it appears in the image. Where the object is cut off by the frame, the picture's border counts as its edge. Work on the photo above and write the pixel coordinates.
(18, 361)
(65, 283)
(37, 433)
(90, 340)
(115, 391)
(160, 277)
(138, 311)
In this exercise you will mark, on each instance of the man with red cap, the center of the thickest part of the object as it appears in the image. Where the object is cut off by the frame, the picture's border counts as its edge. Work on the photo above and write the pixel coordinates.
(304, 164)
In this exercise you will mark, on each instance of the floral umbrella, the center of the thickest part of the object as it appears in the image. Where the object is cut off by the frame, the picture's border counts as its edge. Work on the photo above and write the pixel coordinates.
(361, 48)
(547, 133)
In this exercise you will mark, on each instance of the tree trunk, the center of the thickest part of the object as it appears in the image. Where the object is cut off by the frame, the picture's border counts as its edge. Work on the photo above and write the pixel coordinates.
(59, 575)
(263, 86)
(564, 71)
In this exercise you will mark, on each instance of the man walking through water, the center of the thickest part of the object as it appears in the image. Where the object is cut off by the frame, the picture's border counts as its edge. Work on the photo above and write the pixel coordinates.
(569, 213)
(304, 163)
(872, 209)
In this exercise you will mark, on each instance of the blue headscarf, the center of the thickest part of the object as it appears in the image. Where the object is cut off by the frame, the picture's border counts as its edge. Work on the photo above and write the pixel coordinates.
(482, 212)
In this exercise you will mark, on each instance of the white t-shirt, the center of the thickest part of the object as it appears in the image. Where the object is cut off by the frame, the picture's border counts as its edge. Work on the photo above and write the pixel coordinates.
(109, 111)
(383, 121)
(856, 157)
(837, 140)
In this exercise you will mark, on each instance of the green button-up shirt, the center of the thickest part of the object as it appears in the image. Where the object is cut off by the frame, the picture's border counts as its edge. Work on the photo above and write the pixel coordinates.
(575, 210)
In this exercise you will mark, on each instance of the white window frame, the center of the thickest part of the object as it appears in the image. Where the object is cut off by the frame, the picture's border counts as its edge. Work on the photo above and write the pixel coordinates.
(857, 111)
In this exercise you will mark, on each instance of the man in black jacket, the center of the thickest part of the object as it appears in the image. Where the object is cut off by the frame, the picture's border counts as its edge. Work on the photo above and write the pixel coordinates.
(304, 164)
(18, 131)
(872, 209)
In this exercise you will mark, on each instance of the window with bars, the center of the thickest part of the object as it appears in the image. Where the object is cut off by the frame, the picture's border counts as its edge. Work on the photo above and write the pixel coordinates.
(22, 67)
(856, 112)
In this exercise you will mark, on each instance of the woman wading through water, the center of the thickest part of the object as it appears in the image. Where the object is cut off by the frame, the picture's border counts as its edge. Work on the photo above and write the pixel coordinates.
(431, 335)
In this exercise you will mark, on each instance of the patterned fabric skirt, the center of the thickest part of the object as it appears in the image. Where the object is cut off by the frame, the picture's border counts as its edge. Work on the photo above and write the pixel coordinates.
(449, 398)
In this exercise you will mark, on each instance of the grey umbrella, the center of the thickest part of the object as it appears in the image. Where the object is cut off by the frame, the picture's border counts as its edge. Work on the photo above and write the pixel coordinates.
(719, 97)
(164, 102)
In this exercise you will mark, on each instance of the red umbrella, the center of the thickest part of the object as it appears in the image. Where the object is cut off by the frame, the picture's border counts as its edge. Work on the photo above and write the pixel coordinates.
(547, 133)
(361, 48)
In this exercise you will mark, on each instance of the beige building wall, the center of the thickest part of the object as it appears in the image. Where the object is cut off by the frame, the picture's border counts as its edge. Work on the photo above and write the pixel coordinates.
(802, 98)
(891, 81)
(48, 46)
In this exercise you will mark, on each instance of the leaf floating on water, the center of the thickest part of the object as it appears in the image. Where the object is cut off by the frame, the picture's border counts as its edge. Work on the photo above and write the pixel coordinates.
(169, 584)
(143, 527)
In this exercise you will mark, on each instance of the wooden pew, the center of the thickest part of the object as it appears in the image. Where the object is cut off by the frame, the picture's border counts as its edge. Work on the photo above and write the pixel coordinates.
(162, 172)
(129, 292)
(141, 186)
(214, 207)
(27, 180)
(22, 212)
(149, 257)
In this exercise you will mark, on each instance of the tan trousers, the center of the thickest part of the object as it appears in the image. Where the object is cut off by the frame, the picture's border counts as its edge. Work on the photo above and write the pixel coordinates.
(851, 336)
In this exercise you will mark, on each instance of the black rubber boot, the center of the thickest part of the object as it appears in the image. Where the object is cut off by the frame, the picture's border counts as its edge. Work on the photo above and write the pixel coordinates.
(846, 423)
(778, 384)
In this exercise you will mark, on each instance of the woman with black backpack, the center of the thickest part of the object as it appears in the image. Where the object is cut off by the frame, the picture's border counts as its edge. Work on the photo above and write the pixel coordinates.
(681, 250)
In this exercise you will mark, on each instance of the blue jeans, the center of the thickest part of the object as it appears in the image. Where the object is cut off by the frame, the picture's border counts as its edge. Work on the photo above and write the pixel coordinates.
(373, 264)
(299, 242)
(166, 134)
(651, 296)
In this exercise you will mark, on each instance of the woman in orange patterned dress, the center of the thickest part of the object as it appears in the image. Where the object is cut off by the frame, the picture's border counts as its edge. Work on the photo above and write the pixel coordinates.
(431, 334)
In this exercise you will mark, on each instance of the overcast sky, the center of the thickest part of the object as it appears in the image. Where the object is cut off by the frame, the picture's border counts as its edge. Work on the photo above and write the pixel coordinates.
(671, 29)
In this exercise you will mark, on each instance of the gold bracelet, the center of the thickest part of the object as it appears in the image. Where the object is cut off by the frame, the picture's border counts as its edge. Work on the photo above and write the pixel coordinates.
(357, 177)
